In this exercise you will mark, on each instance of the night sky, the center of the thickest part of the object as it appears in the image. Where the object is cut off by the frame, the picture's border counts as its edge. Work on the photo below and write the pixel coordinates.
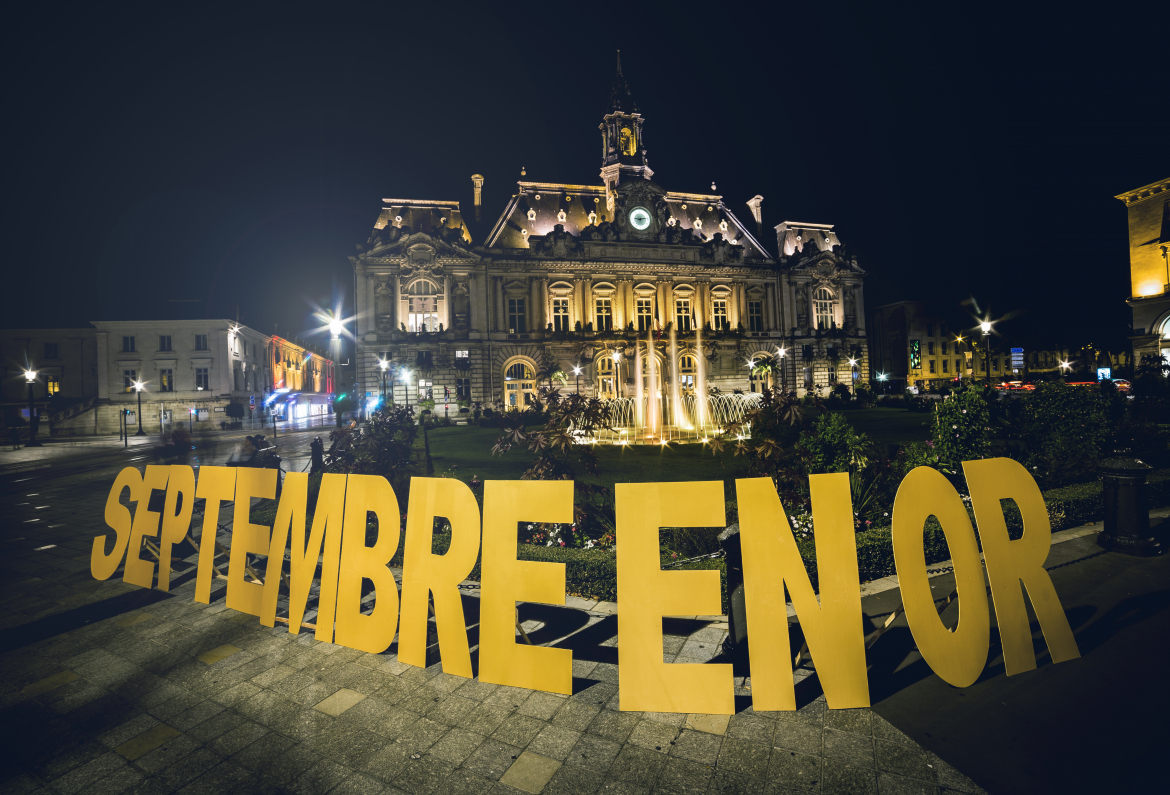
(202, 160)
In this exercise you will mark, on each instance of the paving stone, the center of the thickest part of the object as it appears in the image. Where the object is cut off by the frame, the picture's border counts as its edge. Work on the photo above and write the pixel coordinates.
(263, 752)
(238, 738)
(339, 702)
(795, 771)
(884, 730)
(83, 775)
(358, 784)
(509, 697)
(491, 759)
(541, 705)
(575, 715)
(613, 726)
(855, 721)
(712, 724)
(464, 782)
(593, 753)
(751, 727)
(904, 760)
(224, 777)
(852, 749)
(187, 769)
(321, 777)
(475, 690)
(166, 755)
(653, 736)
(637, 766)
(485, 718)
(726, 783)
(215, 726)
(889, 784)
(386, 763)
(697, 746)
(422, 776)
(518, 730)
(128, 730)
(800, 736)
(423, 734)
(456, 745)
(743, 757)
(530, 772)
(147, 741)
(554, 742)
(684, 777)
(120, 780)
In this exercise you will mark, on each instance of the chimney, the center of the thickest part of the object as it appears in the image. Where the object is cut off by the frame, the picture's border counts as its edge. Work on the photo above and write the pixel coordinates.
(754, 203)
(477, 186)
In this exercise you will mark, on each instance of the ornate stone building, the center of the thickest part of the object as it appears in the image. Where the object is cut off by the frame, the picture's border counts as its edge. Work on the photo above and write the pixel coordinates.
(1148, 209)
(579, 277)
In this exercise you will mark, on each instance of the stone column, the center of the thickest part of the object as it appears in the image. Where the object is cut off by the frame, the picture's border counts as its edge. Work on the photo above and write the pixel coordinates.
(472, 303)
(770, 321)
(545, 314)
(587, 299)
(535, 313)
(501, 310)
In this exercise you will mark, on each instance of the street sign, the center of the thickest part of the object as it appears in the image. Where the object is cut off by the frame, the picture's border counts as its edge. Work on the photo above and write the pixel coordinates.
(1104, 373)
(1018, 358)
(252, 401)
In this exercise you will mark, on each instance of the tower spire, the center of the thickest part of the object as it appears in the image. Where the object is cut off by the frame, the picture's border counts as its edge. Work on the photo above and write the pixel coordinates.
(619, 63)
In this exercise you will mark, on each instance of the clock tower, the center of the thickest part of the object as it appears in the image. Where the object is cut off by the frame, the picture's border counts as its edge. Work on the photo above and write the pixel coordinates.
(623, 152)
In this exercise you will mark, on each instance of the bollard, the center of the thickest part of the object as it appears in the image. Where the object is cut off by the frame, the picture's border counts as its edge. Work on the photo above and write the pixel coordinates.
(736, 642)
(1127, 511)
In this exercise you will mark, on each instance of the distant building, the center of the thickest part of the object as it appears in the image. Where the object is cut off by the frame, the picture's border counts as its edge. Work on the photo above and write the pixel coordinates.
(595, 278)
(190, 370)
(1148, 209)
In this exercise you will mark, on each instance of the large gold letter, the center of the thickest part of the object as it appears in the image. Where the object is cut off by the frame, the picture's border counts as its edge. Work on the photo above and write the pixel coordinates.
(372, 633)
(290, 513)
(832, 627)
(216, 484)
(101, 565)
(176, 520)
(1010, 563)
(507, 581)
(957, 657)
(646, 593)
(138, 571)
(243, 594)
(424, 572)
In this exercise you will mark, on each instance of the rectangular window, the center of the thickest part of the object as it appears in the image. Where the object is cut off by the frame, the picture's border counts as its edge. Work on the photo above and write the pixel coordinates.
(463, 389)
(755, 315)
(929, 348)
(128, 379)
(560, 312)
(517, 322)
(929, 330)
(425, 360)
(995, 364)
(682, 314)
(808, 381)
(932, 366)
(52, 385)
(128, 345)
(200, 342)
(166, 380)
(604, 311)
(50, 350)
(943, 347)
(645, 314)
(806, 352)
(164, 342)
(719, 314)
(958, 365)
(201, 379)
(832, 376)
(946, 365)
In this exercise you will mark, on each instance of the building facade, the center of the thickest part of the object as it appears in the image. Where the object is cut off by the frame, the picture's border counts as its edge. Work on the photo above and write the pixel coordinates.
(1148, 211)
(190, 371)
(591, 280)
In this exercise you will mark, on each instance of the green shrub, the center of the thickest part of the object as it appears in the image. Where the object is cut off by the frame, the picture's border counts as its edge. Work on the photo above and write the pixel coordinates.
(1062, 428)
(961, 430)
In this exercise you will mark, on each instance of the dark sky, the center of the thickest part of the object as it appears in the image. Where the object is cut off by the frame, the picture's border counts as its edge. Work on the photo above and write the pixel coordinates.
(234, 154)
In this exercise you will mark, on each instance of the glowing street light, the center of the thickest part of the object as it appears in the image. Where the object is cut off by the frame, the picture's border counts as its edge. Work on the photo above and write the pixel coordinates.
(577, 372)
(1065, 366)
(30, 376)
(138, 387)
(382, 365)
(853, 374)
(404, 376)
(985, 326)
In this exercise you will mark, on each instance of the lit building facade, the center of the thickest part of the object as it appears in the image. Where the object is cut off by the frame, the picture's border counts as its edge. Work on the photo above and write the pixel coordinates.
(1148, 209)
(596, 278)
(190, 371)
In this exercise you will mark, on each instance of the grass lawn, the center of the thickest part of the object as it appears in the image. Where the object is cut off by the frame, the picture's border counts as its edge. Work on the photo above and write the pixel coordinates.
(470, 447)
(890, 426)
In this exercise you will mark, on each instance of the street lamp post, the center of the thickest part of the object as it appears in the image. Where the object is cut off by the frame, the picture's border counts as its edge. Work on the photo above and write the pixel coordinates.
(885, 386)
(383, 364)
(958, 342)
(853, 375)
(781, 352)
(31, 377)
(404, 374)
(577, 372)
(138, 387)
(985, 326)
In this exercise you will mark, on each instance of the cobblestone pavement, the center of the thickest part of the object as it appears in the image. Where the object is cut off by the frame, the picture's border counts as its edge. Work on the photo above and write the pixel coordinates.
(108, 688)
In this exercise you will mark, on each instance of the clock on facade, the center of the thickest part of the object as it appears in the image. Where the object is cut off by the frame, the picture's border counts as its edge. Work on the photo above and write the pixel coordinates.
(639, 218)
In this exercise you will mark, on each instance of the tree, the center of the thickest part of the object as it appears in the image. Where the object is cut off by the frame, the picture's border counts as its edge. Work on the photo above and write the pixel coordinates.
(234, 410)
(383, 446)
(1062, 428)
(961, 430)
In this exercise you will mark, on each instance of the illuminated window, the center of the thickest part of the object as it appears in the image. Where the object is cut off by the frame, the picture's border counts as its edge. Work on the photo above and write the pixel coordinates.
(462, 354)
(823, 308)
(605, 377)
(166, 380)
(719, 314)
(50, 350)
(463, 389)
(164, 342)
(560, 307)
(426, 389)
(128, 379)
(200, 342)
(645, 307)
(755, 315)
(517, 321)
(627, 141)
(519, 385)
(682, 314)
(201, 379)
(52, 385)
(604, 310)
(128, 345)
(423, 303)
(688, 370)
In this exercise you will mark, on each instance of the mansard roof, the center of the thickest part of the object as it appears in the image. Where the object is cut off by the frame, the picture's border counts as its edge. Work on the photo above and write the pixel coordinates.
(420, 215)
(538, 207)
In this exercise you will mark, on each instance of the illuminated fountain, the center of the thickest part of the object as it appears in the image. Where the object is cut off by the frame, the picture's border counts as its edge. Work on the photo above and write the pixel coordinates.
(658, 415)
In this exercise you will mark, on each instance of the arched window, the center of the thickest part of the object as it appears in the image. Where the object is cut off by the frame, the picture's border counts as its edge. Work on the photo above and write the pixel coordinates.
(688, 370)
(423, 314)
(606, 381)
(823, 307)
(519, 385)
